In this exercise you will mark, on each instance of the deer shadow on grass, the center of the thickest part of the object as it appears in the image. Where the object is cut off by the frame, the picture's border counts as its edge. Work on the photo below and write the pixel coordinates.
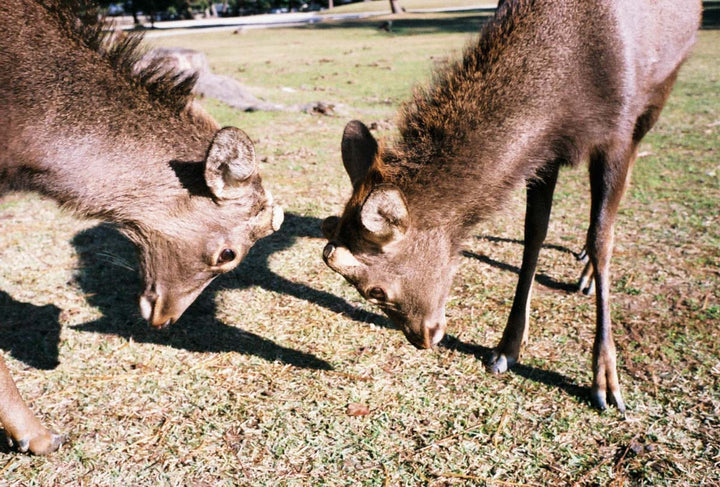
(484, 354)
(112, 288)
(535, 374)
(111, 284)
(543, 279)
(30, 333)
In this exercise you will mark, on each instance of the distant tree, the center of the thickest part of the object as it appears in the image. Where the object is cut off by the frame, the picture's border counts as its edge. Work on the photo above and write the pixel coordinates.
(148, 7)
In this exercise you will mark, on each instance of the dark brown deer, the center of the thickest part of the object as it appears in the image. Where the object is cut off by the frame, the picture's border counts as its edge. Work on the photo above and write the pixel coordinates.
(548, 84)
(78, 126)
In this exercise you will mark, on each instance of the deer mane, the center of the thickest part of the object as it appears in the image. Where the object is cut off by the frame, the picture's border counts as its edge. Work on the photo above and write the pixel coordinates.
(81, 20)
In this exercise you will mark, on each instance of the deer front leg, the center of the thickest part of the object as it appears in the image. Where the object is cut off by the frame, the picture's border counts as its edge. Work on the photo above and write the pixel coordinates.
(21, 425)
(608, 179)
(537, 217)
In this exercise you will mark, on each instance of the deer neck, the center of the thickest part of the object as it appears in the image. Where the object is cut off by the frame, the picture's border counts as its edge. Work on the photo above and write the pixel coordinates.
(461, 182)
(122, 179)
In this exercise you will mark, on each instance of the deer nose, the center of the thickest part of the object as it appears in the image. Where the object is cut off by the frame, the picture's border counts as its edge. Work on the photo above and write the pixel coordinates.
(147, 303)
(433, 333)
(430, 336)
(151, 310)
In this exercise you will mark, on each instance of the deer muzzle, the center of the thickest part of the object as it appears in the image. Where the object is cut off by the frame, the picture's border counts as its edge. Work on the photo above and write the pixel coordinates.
(427, 332)
(151, 308)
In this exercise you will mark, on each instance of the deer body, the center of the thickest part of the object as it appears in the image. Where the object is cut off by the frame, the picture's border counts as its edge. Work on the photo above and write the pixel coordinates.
(549, 83)
(78, 127)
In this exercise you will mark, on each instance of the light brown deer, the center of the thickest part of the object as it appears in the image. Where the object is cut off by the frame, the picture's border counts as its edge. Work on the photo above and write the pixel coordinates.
(549, 83)
(79, 127)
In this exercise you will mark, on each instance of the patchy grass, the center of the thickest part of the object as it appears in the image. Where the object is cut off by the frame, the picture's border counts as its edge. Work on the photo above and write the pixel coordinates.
(252, 386)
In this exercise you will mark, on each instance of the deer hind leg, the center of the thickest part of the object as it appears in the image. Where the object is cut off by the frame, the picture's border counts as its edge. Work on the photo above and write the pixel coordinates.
(586, 284)
(609, 174)
(537, 216)
(643, 124)
(21, 425)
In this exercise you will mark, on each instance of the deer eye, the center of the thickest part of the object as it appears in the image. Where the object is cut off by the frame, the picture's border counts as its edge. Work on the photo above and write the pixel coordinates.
(377, 294)
(226, 255)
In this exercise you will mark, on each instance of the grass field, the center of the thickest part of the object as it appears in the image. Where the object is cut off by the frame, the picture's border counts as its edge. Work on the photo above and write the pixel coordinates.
(252, 386)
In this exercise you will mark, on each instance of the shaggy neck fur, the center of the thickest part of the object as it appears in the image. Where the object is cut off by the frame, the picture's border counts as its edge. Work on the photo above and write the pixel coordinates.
(512, 104)
(80, 127)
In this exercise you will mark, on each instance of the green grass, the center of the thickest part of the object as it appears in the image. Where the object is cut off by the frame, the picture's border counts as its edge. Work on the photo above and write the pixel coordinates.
(252, 386)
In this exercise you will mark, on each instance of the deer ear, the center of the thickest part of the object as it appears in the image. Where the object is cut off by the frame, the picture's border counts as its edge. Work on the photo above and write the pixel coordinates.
(384, 214)
(230, 161)
(359, 149)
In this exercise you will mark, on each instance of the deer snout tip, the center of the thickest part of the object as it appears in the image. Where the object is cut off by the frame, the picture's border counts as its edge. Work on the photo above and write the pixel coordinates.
(151, 312)
(430, 336)
(436, 334)
(163, 324)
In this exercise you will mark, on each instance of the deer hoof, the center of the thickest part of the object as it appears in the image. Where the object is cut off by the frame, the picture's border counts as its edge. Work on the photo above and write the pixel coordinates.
(500, 363)
(599, 400)
(586, 288)
(41, 444)
(586, 284)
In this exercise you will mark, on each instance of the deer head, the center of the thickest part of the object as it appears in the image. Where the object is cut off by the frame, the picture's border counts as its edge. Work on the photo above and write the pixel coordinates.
(202, 236)
(378, 247)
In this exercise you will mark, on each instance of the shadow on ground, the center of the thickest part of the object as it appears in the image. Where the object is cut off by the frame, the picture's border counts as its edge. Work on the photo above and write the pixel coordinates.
(30, 333)
(542, 376)
(454, 22)
(112, 286)
(544, 279)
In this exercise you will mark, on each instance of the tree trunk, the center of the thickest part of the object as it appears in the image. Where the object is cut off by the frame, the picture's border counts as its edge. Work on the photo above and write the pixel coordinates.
(395, 6)
(186, 12)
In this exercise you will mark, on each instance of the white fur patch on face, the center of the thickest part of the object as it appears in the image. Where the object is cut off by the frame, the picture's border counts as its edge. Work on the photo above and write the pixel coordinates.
(145, 308)
(278, 216)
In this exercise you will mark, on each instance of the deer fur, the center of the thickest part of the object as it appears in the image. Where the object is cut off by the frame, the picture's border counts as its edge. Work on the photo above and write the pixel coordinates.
(130, 148)
(548, 83)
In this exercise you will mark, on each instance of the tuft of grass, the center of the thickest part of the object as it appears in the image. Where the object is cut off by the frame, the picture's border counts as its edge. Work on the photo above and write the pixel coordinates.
(252, 386)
